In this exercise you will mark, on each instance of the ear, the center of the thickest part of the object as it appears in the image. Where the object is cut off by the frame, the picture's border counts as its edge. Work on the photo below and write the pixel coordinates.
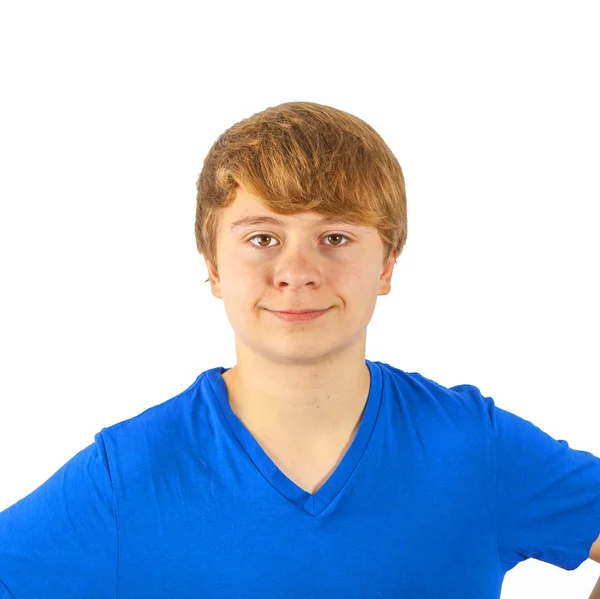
(385, 278)
(213, 276)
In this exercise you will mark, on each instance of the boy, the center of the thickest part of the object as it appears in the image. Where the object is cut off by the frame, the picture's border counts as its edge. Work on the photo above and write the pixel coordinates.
(305, 470)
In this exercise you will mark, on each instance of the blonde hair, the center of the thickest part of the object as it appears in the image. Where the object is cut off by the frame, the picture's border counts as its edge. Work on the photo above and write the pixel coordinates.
(301, 156)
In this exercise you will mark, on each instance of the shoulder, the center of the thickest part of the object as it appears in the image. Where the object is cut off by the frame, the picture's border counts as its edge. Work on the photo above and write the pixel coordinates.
(143, 441)
(460, 395)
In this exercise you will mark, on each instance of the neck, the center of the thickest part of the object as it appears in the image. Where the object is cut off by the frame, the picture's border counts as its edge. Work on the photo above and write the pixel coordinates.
(310, 405)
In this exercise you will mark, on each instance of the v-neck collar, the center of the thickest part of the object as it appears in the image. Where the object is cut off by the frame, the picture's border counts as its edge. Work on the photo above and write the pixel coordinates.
(312, 504)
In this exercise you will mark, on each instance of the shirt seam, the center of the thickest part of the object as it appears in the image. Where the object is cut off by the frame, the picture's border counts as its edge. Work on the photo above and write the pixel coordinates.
(567, 563)
(114, 502)
(497, 503)
(4, 592)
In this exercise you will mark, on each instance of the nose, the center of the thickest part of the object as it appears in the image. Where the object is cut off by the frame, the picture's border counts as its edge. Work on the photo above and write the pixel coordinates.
(298, 266)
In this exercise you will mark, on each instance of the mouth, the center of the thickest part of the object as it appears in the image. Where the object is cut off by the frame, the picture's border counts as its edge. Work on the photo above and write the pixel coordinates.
(298, 315)
(300, 311)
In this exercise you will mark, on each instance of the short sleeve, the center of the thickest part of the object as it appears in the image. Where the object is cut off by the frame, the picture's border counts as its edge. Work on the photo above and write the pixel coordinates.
(60, 541)
(548, 494)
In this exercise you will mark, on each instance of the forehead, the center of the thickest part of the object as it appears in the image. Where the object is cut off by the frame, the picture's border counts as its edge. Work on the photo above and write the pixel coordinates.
(247, 210)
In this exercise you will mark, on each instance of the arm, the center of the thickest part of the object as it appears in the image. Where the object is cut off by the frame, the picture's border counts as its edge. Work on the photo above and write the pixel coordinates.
(595, 591)
(60, 541)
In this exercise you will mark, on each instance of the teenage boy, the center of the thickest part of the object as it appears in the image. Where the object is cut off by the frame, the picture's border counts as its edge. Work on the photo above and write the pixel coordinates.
(305, 470)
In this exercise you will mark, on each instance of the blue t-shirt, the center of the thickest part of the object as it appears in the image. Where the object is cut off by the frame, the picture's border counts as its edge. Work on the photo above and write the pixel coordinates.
(439, 495)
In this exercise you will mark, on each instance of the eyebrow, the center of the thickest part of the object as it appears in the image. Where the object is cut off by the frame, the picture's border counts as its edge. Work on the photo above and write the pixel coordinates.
(248, 221)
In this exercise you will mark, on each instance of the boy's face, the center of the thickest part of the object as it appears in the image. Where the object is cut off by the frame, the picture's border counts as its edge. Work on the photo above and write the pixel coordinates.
(298, 265)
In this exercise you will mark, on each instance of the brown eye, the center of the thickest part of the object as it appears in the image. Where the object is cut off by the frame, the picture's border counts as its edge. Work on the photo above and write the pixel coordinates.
(263, 237)
(260, 245)
(335, 235)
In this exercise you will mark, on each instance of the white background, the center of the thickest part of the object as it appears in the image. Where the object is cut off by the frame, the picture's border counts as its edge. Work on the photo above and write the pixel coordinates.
(108, 110)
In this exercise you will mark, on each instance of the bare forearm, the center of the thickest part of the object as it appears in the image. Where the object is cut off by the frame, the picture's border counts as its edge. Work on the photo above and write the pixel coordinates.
(596, 591)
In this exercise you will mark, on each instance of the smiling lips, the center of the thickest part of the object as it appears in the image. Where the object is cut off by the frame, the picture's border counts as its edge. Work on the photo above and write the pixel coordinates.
(303, 315)
(301, 311)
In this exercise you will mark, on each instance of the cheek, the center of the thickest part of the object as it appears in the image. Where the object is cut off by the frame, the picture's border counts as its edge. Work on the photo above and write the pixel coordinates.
(243, 283)
(351, 278)
(360, 286)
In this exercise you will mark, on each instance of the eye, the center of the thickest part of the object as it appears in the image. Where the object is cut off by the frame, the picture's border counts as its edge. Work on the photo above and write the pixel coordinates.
(335, 245)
